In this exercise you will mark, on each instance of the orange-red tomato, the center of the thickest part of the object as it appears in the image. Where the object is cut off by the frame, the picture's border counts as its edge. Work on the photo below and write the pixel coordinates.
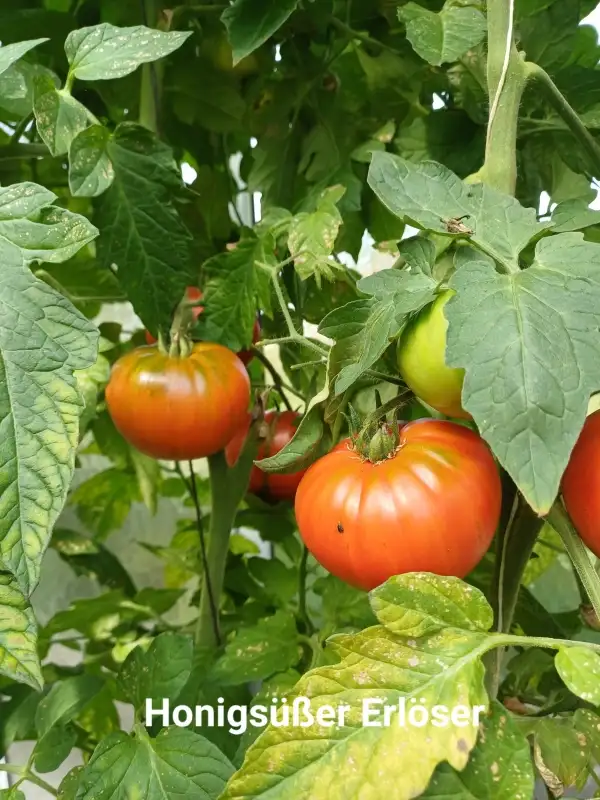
(581, 484)
(280, 428)
(193, 294)
(432, 507)
(179, 408)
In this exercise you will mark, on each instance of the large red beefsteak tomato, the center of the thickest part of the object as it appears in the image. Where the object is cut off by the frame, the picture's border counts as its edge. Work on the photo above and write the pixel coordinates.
(581, 484)
(179, 408)
(433, 506)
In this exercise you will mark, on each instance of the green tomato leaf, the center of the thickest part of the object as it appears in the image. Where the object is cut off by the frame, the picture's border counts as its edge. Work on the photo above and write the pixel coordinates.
(588, 723)
(443, 37)
(311, 239)
(529, 399)
(90, 169)
(13, 52)
(43, 341)
(561, 754)
(259, 651)
(160, 673)
(58, 116)
(573, 215)
(233, 284)
(137, 217)
(18, 636)
(88, 557)
(70, 784)
(579, 667)
(250, 24)
(178, 763)
(307, 444)
(443, 668)
(433, 198)
(103, 502)
(499, 768)
(102, 52)
(12, 794)
(64, 701)
(53, 748)
(363, 329)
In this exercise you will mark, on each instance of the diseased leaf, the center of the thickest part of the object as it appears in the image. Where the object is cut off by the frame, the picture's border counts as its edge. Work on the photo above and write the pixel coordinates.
(103, 501)
(431, 197)
(561, 753)
(579, 667)
(18, 636)
(312, 236)
(259, 651)
(13, 52)
(158, 674)
(90, 169)
(499, 767)
(102, 52)
(250, 24)
(59, 117)
(137, 218)
(529, 344)
(377, 667)
(43, 341)
(444, 36)
(178, 763)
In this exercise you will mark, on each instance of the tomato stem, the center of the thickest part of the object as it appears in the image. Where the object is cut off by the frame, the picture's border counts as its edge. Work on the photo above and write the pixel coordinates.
(506, 77)
(277, 382)
(578, 553)
(566, 112)
(302, 610)
(228, 487)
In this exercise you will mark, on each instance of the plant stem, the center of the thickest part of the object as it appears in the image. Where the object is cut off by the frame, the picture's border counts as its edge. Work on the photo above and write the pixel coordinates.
(25, 775)
(566, 112)
(149, 89)
(228, 487)
(302, 612)
(22, 150)
(20, 129)
(578, 554)
(295, 339)
(350, 34)
(506, 78)
(277, 382)
(382, 376)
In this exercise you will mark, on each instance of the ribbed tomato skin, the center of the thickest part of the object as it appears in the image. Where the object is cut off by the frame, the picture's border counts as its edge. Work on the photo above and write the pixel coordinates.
(179, 408)
(581, 484)
(433, 507)
(270, 485)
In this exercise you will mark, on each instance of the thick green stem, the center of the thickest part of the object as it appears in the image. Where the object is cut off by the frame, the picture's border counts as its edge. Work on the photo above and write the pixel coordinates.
(506, 77)
(578, 554)
(566, 112)
(228, 487)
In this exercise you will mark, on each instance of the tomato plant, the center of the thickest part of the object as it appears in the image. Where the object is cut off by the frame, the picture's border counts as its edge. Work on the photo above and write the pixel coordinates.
(178, 407)
(390, 210)
(277, 432)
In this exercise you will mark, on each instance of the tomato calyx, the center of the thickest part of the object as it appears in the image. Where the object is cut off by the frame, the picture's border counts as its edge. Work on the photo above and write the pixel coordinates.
(184, 319)
(375, 438)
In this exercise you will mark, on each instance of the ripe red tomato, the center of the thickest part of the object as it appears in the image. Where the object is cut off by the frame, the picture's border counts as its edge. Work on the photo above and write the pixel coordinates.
(581, 484)
(432, 507)
(280, 428)
(422, 360)
(179, 408)
(194, 294)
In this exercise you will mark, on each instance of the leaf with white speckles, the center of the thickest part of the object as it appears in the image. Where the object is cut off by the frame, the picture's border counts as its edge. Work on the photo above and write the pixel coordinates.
(58, 116)
(18, 636)
(420, 604)
(178, 763)
(312, 236)
(90, 169)
(13, 52)
(579, 667)
(102, 52)
(259, 651)
(561, 753)
(43, 341)
(499, 768)
(441, 667)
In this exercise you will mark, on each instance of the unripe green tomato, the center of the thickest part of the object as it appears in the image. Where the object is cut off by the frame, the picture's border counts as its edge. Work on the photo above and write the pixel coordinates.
(422, 364)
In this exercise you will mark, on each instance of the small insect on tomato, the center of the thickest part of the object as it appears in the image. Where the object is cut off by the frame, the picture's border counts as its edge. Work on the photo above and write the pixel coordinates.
(179, 407)
(430, 505)
(279, 429)
(581, 484)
